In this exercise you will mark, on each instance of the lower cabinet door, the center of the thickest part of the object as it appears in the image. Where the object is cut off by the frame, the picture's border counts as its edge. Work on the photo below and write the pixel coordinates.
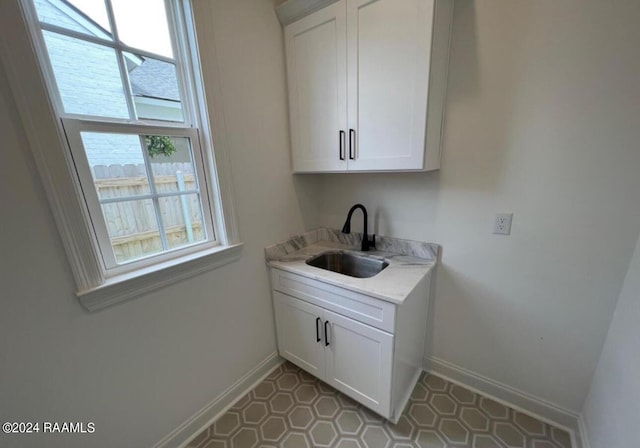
(299, 327)
(358, 362)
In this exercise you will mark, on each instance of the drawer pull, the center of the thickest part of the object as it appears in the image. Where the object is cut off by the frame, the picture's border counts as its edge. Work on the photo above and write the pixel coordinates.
(317, 329)
(352, 144)
(326, 333)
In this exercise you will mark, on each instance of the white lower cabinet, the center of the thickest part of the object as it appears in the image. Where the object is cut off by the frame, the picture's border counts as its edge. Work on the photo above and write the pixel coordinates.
(297, 341)
(374, 366)
(358, 361)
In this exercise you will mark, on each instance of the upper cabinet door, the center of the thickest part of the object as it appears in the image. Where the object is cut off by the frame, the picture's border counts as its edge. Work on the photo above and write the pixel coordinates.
(317, 78)
(389, 53)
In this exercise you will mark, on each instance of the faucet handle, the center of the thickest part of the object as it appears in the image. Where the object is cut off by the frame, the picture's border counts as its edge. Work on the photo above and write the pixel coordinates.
(372, 241)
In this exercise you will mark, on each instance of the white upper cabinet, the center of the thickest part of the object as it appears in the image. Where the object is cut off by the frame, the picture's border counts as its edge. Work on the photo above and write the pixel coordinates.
(316, 49)
(367, 85)
(388, 82)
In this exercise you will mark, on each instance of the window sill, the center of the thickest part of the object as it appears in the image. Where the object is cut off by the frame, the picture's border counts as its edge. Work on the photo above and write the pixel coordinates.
(128, 286)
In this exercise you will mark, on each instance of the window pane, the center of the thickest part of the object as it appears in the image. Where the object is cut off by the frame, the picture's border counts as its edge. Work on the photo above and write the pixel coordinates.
(83, 16)
(172, 164)
(117, 164)
(132, 228)
(87, 75)
(143, 24)
(154, 85)
(182, 219)
(120, 174)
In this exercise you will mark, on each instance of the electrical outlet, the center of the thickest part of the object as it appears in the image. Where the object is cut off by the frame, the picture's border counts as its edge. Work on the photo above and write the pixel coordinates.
(502, 225)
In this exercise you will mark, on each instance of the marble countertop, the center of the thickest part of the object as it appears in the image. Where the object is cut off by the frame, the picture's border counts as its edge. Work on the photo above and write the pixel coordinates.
(409, 262)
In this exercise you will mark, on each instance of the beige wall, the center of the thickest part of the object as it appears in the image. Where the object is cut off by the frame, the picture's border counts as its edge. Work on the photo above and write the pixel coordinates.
(612, 407)
(542, 121)
(141, 368)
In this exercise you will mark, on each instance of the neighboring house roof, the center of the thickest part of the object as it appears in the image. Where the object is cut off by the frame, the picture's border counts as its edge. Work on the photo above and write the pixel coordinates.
(156, 79)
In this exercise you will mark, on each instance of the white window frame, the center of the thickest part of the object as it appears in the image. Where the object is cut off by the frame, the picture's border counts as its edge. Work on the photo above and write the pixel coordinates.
(99, 286)
(73, 129)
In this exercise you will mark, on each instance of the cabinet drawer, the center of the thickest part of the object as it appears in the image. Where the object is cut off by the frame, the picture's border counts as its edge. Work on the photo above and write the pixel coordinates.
(365, 309)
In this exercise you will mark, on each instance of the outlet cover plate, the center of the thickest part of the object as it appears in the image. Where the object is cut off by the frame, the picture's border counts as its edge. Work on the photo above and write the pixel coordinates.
(502, 224)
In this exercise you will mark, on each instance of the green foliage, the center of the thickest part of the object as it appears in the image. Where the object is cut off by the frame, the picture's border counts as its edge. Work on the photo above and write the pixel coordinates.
(159, 145)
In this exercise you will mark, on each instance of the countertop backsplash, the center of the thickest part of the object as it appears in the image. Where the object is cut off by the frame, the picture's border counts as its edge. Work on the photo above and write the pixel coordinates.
(419, 249)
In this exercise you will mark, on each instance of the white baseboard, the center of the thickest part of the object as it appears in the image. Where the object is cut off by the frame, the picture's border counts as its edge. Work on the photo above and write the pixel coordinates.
(183, 434)
(582, 429)
(521, 401)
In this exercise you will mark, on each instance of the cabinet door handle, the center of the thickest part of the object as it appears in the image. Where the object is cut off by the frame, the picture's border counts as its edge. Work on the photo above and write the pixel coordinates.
(317, 329)
(352, 144)
(341, 137)
(326, 333)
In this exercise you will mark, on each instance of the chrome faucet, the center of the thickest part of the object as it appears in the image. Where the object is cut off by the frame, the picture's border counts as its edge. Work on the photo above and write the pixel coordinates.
(366, 243)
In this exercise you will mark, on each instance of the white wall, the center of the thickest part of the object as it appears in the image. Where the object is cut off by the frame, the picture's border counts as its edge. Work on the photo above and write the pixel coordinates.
(141, 368)
(612, 409)
(542, 121)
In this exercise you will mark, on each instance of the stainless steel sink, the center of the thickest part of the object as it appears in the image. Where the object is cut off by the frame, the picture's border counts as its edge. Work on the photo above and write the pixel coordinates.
(348, 264)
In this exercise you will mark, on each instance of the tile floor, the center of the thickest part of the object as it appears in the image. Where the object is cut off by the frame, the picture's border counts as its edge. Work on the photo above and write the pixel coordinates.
(292, 409)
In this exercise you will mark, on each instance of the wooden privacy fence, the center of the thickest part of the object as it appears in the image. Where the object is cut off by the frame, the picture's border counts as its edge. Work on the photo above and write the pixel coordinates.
(132, 223)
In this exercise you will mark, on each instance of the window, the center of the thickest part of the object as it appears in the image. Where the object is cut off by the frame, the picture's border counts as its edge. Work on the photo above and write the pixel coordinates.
(123, 80)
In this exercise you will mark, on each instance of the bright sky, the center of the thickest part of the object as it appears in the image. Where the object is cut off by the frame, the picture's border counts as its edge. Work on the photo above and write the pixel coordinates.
(141, 23)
